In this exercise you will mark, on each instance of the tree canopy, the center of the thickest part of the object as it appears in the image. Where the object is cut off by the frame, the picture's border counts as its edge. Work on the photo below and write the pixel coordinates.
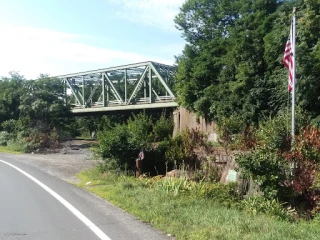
(32, 111)
(232, 62)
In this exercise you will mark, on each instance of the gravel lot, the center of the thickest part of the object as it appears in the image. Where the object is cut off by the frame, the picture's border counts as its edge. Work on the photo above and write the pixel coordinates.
(73, 157)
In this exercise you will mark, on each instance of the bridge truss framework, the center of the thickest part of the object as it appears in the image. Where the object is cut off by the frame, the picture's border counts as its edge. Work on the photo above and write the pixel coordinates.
(134, 84)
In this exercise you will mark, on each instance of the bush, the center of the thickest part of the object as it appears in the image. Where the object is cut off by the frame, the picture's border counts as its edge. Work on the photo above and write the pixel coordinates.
(285, 173)
(33, 140)
(10, 126)
(122, 143)
(208, 172)
(175, 186)
(229, 129)
(4, 138)
(163, 128)
(265, 163)
(259, 204)
(114, 145)
(305, 156)
(140, 132)
(188, 148)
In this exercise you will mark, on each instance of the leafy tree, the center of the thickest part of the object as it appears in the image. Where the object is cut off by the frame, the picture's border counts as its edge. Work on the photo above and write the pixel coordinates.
(12, 88)
(33, 110)
(232, 62)
(43, 104)
(43, 114)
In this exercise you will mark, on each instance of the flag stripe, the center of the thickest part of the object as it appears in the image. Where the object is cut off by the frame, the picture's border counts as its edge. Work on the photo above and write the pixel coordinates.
(288, 61)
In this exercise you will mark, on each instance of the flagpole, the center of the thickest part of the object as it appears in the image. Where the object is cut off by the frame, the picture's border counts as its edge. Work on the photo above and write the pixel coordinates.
(293, 72)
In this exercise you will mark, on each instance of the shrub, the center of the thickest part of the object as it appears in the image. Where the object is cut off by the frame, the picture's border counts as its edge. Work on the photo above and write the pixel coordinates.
(163, 128)
(259, 204)
(225, 194)
(271, 163)
(114, 145)
(208, 172)
(188, 148)
(228, 131)
(122, 143)
(10, 126)
(265, 163)
(305, 156)
(5, 137)
(140, 131)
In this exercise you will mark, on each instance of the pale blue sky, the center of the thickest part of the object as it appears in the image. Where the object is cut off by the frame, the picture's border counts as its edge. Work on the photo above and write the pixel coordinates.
(66, 36)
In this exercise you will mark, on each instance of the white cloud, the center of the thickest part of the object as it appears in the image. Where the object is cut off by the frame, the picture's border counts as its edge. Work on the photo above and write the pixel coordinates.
(159, 13)
(33, 50)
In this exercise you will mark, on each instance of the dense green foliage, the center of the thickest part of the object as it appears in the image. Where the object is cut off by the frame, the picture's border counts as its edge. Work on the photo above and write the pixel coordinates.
(188, 148)
(122, 142)
(232, 62)
(32, 112)
(231, 71)
(290, 174)
(119, 146)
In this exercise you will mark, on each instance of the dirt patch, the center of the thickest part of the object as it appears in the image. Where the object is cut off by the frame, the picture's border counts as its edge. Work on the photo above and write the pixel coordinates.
(72, 157)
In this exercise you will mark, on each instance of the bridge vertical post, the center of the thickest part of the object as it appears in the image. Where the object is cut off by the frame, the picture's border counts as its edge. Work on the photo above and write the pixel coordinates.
(65, 92)
(83, 101)
(167, 80)
(125, 86)
(103, 90)
(108, 97)
(150, 84)
(144, 88)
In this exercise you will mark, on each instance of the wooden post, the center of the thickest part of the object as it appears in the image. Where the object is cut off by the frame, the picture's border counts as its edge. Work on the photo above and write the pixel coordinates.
(138, 167)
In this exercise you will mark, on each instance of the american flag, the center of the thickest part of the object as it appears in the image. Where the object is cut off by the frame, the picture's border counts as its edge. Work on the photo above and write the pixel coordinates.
(288, 61)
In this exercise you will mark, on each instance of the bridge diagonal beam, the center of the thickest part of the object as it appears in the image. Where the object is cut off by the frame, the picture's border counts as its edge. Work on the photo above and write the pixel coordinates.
(96, 86)
(74, 92)
(164, 84)
(154, 92)
(113, 89)
(138, 86)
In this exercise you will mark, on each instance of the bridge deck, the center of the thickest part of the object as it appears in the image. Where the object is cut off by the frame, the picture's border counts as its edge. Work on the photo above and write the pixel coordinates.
(125, 107)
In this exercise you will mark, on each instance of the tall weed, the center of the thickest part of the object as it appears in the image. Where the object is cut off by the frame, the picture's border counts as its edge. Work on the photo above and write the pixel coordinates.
(259, 204)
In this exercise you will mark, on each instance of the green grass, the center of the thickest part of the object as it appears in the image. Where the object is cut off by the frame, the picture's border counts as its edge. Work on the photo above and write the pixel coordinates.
(187, 216)
(11, 149)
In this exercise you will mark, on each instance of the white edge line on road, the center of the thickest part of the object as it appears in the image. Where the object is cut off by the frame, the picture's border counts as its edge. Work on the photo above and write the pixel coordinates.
(64, 202)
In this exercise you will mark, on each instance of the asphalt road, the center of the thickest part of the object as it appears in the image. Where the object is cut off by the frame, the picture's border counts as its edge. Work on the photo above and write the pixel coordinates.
(54, 209)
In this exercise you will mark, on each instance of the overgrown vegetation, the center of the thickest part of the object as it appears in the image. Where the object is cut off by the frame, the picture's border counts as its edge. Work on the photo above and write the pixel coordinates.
(283, 171)
(33, 114)
(231, 65)
(230, 71)
(189, 210)
(120, 145)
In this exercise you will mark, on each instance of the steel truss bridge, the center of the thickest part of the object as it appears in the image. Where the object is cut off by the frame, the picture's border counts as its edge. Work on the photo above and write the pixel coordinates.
(128, 87)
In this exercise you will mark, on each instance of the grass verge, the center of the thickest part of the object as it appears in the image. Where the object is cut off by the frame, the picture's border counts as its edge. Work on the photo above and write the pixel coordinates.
(189, 216)
(11, 149)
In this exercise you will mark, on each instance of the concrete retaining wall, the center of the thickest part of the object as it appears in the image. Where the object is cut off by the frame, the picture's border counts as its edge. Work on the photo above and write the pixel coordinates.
(185, 119)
